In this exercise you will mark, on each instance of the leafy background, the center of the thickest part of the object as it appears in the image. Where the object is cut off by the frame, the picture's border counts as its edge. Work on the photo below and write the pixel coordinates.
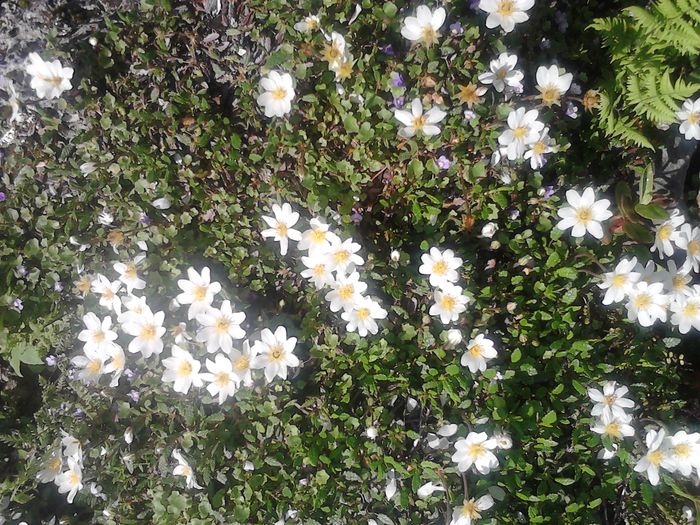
(164, 106)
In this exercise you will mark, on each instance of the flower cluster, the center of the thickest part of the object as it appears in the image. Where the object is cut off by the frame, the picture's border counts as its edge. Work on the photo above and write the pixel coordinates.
(330, 263)
(68, 454)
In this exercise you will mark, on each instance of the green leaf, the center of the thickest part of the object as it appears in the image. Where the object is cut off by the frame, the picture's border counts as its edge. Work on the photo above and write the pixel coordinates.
(651, 211)
(549, 419)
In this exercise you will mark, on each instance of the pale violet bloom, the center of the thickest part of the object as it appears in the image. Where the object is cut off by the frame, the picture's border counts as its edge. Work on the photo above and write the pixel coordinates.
(538, 149)
(49, 79)
(427, 490)
(584, 213)
(70, 481)
(505, 13)
(425, 26)
(502, 73)
(183, 469)
(97, 334)
(128, 273)
(523, 130)
(275, 353)
(220, 327)
(613, 426)
(610, 401)
(471, 510)
(647, 303)
(341, 256)
(449, 303)
(317, 239)
(362, 317)
(198, 291)
(441, 267)
(688, 239)
(346, 291)
(475, 450)
(685, 312)
(667, 233)
(223, 382)
(416, 120)
(657, 456)
(619, 282)
(552, 85)
(479, 350)
(182, 370)
(278, 93)
(308, 24)
(676, 281)
(689, 117)
(148, 330)
(280, 227)
(317, 270)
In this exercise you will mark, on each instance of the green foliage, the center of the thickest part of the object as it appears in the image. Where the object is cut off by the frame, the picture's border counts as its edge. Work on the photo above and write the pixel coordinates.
(653, 54)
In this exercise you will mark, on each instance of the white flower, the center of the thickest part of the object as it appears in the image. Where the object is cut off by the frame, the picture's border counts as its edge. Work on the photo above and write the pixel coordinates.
(317, 270)
(676, 281)
(163, 203)
(415, 120)
(447, 430)
(605, 454)
(49, 79)
(479, 350)
(128, 274)
(503, 440)
(317, 238)
(148, 331)
(220, 327)
(619, 282)
(524, 129)
(440, 266)
(308, 24)
(584, 214)
(72, 447)
(454, 337)
(70, 481)
(503, 73)
(108, 291)
(471, 510)
(686, 312)
(346, 292)
(342, 256)
(243, 363)
(182, 370)
(197, 291)
(371, 433)
(648, 273)
(183, 469)
(280, 228)
(667, 234)
(684, 450)
(129, 435)
(613, 426)
(395, 255)
(390, 489)
(688, 239)
(275, 352)
(647, 303)
(135, 306)
(51, 467)
(505, 13)
(115, 365)
(552, 85)
(424, 26)
(276, 99)
(689, 115)
(334, 51)
(610, 401)
(97, 335)
(362, 316)
(538, 149)
(91, 365)
(657, 456)
(221, 378)
(427, 489)
(475, 450)
(449, 303)
(489, 230)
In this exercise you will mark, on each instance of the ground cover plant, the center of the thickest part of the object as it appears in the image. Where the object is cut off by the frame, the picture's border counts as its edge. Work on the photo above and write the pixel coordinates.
(335, 262)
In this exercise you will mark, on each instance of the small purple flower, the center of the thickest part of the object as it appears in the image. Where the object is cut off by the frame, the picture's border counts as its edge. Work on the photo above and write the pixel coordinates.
(561, 21)
(399, 102)
(58, 287)
(78, 412)
(548, 192)
(444, 162)
(469, 114)
(545, 43)
(397, 79)
(129, 374)
(2, 196)
(571, 110)
(456, 29)
(474, 5)
(514, 214)
(356, 216)
(145, 219)
(575, 89)
(21, 271)
(387, 50)
(134, 395)
(17, 304)
(51, 360)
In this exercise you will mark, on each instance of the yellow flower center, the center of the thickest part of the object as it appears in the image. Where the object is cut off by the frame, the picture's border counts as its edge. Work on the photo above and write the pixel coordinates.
(470, 510)
(311, 23)
(642, 301)
(550, 95)
(148, 332)
(501, 73)
(448, 302)
(694, 247)
(613, 429)
(200, 292)
(678, 281)
(520, 132)
(609, 400)
(429, 35)
(656, 457)
(98, 336)
(118, 361)
(467, 94)
(362, 313)
(440, 267)
(318, 236)
(476, 450)
(584, 215)
(276, 353)
(341, 256)
(506, 8)
(475, 350)
(282, 230)
(319, 270)
(108, 294)
(55, 464)
(222, 379)
(130, 272)
(345, 69)
(185, 368)
(222, 325)
(242, 363)
(332, 53)
(694, 118)
(691, 310)
(419, 122)
(73, 478)
(539, 147)
(279, 93)
(619, 281)
(665, 232)
(84, 284)
(346, 291)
